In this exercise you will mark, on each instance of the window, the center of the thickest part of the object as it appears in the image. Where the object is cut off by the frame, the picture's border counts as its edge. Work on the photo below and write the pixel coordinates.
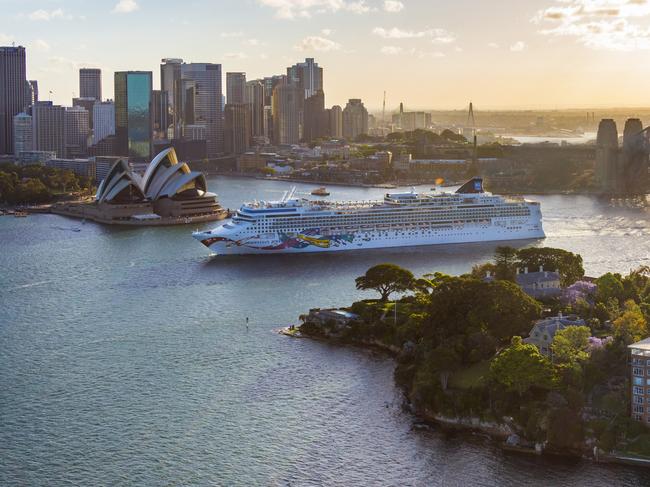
(637, 371)
(637, 399)
(637, 409)
(638, 390)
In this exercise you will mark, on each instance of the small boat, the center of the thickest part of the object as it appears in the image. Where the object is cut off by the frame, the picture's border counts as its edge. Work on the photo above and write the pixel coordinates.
(20, 214)
(322, 191)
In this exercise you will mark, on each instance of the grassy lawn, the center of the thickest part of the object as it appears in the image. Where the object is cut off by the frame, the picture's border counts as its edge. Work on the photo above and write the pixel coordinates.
(469, 377)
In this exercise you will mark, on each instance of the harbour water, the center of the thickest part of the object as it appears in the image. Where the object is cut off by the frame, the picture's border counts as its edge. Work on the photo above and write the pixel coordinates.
(125, 359)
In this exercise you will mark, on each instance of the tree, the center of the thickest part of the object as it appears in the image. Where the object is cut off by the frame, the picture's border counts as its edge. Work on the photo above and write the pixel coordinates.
(568, 264)
(505, 260)
(386, 279)
(631, 326)
(521, 367)
(445, 360)
(571, 345)
(609, 286)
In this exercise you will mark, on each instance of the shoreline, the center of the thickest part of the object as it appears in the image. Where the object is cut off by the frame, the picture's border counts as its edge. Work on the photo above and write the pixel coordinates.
(497, 432)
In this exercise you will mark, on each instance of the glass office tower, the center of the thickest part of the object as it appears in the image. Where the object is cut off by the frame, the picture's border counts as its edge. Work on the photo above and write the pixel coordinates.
(133, 120)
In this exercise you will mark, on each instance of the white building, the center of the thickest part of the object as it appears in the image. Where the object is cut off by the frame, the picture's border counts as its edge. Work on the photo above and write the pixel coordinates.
(23, 133)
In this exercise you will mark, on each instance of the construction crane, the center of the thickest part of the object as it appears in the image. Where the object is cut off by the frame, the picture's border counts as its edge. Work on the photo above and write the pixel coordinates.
(383, 112)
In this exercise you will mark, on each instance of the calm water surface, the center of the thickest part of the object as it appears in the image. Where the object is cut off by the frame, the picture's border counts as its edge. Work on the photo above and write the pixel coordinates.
(125, 360)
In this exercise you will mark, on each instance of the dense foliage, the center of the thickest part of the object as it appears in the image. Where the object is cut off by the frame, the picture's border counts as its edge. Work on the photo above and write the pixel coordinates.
(36, 184)
(463, 353)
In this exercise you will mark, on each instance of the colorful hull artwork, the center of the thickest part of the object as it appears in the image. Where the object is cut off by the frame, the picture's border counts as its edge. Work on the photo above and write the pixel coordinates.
(300, 241)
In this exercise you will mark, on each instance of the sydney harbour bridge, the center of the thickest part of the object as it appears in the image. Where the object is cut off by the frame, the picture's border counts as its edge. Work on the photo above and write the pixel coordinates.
(622, 169)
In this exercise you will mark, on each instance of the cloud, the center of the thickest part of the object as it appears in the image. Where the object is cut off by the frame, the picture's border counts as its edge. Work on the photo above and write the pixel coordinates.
(518, 46)
(6, 39)
(47, 15)
(126, 7)
(437, 36)
(291, 9)
(620, 25)
(253, 42)
(393, 6)
(414, 52)
(391, 50)
(231, 34)
(326, 32)
(41, 45)
(236, 55)
(493, 45)
(316, 43)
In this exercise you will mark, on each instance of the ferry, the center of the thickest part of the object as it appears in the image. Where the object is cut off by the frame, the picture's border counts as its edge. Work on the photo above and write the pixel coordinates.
(322, 191)
(298, 225)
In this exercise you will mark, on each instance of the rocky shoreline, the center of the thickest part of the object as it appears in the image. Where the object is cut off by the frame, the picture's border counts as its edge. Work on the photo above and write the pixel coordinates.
(506, 434)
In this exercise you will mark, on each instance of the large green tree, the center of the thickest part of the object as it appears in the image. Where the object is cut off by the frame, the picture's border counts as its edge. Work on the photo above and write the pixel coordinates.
(631, 326)
(386, 279)
(505, 263)
(521, 367)
(571, 345)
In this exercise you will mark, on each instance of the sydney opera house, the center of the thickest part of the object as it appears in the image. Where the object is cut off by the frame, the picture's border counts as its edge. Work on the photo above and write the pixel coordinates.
(168, 193)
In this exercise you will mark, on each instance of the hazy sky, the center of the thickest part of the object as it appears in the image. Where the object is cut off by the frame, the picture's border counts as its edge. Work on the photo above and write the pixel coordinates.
(426, 53)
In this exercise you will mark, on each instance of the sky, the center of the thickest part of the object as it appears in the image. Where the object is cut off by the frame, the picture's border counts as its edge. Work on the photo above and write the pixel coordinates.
(429, 54)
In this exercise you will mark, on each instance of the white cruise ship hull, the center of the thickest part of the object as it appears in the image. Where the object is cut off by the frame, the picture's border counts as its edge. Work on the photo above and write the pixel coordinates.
(223, 244)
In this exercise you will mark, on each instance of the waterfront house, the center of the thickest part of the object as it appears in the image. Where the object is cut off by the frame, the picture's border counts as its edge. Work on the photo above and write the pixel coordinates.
(640, 383)
(541, 284)
(544, 331)
(338, 318)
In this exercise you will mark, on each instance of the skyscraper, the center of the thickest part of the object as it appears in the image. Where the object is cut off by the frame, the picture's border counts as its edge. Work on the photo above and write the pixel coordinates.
(315, 119)
(255, 100)
(287, 100)
(170, 84)
(12, 93)
(48, 127)
(355, 119)
(237, 134)
(77, 131)
(133, 121)
(336, 122)
(207, 102)
(308, 76)
(103, 120)
(23, 133)
(160, 113)
(90, 83)
(235, 87)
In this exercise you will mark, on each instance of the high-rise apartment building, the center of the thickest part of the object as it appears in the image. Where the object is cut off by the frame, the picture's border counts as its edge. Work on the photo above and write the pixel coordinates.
(103, 120)
(235, 87)
(287, 101)
(308, 76)
(254, 98)
(237, 134)
(48, 127)
(23, 134)
(355, 119)
(90, 83)
(88, 104)
(77, 131)
(13, 98)
(133, 118)
(207, 108)
(336, 122)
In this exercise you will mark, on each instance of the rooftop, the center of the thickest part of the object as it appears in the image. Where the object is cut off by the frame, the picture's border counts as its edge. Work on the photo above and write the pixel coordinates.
(642, 345)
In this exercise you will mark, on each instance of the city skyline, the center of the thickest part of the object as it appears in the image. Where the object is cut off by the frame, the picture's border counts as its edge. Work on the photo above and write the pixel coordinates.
(427, 54)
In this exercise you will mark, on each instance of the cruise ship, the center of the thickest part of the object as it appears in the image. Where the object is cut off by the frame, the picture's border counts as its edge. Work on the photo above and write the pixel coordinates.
(294, 225)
